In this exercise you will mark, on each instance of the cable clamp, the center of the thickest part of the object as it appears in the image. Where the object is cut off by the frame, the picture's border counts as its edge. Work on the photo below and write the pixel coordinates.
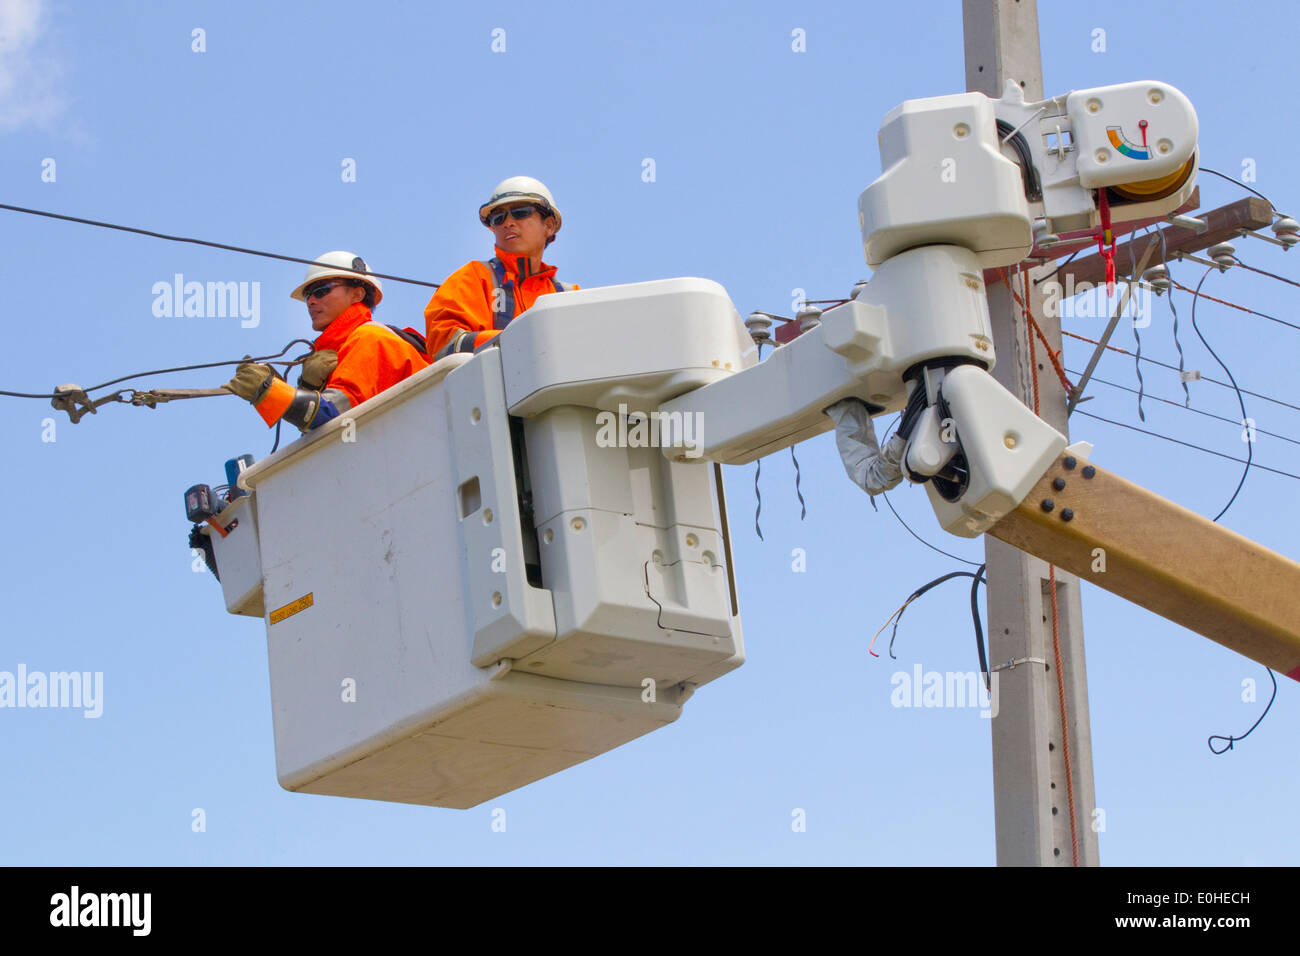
(1015, 661)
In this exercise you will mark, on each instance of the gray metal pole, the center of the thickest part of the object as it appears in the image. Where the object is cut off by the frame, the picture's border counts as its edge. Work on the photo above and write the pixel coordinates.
(1031, 797)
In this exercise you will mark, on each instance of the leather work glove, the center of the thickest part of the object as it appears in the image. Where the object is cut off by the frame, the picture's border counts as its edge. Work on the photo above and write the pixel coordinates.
(317, 369)
(252, 381)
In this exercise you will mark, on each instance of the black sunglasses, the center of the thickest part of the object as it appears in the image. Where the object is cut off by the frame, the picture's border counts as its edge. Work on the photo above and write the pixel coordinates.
(320, 291)
(519, 212)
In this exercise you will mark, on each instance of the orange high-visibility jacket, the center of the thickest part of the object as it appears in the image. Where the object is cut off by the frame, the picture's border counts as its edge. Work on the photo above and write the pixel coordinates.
(371, 358)
(460, 316)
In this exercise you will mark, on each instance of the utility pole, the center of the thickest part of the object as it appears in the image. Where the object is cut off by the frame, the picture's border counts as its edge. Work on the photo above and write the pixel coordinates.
(1032, 799)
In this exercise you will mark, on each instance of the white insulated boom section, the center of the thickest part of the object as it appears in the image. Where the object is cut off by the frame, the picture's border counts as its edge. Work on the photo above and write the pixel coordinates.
(923, 304)
(441, 631)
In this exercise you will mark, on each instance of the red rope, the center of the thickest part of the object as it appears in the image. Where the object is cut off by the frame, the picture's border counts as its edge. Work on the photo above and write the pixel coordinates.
(1056, 617)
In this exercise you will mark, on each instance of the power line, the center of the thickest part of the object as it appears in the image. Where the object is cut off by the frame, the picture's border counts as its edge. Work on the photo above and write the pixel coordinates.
(1204, 378)
(1186, 408)
(1263, 273)
(199, 242)
(1263, 315)
(1176, 441)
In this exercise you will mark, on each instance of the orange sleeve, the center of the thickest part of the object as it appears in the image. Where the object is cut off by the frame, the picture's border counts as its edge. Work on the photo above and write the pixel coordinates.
(371, 360)
(276, 401)
(463, 301)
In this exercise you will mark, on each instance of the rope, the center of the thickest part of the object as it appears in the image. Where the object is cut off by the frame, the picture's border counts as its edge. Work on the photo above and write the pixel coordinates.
(1055, 357)
(1056, 618)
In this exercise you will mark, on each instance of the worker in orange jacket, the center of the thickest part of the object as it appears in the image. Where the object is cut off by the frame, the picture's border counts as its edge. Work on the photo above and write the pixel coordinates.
(478, 300)
(352, 360)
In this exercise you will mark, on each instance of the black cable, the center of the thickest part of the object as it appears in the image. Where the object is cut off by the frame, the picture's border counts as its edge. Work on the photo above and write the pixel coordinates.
(979, 630)
(1185, 408)
(278, 423)
(1215, 172)
(919, 538)
(178, 368)
(1008, 135)
(1060, 267)
(1176, 441)
(199, 242)
(1230, 738)
(1245, 419)
(978, 578)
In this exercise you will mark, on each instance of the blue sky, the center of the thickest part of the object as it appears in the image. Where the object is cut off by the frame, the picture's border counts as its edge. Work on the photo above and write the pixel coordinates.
(759, 155)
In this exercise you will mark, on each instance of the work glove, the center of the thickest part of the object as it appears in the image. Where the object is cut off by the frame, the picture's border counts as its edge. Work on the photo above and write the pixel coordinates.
(317, 369)
(252, 381)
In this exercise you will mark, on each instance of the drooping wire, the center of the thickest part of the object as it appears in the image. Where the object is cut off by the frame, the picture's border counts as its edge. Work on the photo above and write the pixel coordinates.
(1231, 739)
(978, 577)
(198, 242)
(1245, 419)
(979, 630)
(922, 540)
(1058, 268)
(179, 368)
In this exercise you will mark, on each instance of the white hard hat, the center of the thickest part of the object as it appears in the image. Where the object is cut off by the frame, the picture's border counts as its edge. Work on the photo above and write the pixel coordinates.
(338, 263)
(519, 189)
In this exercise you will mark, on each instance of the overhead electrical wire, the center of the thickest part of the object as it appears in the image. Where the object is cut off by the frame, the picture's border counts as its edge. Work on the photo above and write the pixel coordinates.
(1172, 368)
(267, 359)
(1233, 305)
(1186, 408)
(1178, 441)
(198, 242)
(978, 578)
(1263, 273)
(1235, 182)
